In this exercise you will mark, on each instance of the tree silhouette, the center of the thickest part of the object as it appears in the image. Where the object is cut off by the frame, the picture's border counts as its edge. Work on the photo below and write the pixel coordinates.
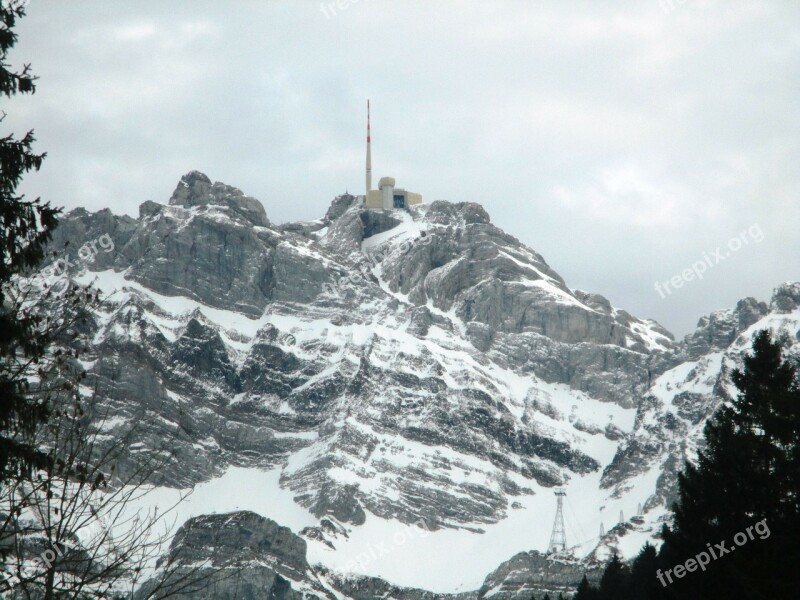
(743, 491)
(25, 228)
(746, 473)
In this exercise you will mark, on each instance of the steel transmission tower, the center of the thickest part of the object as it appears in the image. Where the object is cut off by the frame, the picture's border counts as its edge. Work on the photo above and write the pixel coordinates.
(558, 539)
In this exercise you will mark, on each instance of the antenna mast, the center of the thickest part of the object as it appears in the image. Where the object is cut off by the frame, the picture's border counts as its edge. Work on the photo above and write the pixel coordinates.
(369, 154)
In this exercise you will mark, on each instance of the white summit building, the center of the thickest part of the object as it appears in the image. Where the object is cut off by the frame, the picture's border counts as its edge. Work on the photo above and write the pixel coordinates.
(387, 196)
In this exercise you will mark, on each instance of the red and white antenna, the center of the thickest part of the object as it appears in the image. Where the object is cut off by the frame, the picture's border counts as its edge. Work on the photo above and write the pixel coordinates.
(369, 153)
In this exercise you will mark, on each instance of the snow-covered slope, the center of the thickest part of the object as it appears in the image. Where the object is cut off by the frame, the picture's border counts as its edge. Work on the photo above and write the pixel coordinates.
(671, 417)
(403, 388)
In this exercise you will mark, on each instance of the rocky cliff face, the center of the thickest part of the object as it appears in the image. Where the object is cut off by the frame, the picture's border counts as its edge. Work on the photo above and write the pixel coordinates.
(240, 556)
(533, 574)
(244, 556)
(671, 416)
(401, 368)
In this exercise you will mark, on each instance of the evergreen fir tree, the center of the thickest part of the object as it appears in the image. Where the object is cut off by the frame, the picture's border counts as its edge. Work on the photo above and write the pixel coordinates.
(585, 591)
(614, 580)
(25, 228)
(746, 473)
(643, 583)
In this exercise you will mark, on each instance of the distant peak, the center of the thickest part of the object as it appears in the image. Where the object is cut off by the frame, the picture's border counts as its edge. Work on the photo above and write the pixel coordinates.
(195, 189)
(442, 211)
(786, 297)
(340, 205)
(191, 187)
(193, 176)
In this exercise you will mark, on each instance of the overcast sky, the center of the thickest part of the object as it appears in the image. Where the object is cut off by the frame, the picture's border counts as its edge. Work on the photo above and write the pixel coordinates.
(621, 140)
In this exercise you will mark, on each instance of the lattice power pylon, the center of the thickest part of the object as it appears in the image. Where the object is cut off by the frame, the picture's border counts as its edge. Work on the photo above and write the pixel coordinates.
(558, 539)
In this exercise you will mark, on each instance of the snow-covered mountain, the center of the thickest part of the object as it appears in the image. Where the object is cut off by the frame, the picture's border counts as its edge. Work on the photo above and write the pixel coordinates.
(402, 389)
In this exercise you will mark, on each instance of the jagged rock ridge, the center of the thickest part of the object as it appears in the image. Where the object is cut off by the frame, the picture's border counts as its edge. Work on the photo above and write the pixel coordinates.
(417, 366)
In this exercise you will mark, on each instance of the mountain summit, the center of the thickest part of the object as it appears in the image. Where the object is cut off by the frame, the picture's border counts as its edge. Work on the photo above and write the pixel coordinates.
(414, 371)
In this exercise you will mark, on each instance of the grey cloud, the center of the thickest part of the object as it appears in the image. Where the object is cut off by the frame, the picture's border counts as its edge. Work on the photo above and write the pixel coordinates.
(537, 112)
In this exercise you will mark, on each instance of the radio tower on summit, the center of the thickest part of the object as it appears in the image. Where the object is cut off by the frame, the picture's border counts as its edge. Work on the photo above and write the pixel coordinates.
(369, 154)
(388, 196)
(558, 539)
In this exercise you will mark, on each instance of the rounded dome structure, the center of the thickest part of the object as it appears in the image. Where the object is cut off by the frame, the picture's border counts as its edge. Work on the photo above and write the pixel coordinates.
(386, 181)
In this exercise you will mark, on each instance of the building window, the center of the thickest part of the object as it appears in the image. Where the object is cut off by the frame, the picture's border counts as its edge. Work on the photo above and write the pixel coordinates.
(399, 201)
